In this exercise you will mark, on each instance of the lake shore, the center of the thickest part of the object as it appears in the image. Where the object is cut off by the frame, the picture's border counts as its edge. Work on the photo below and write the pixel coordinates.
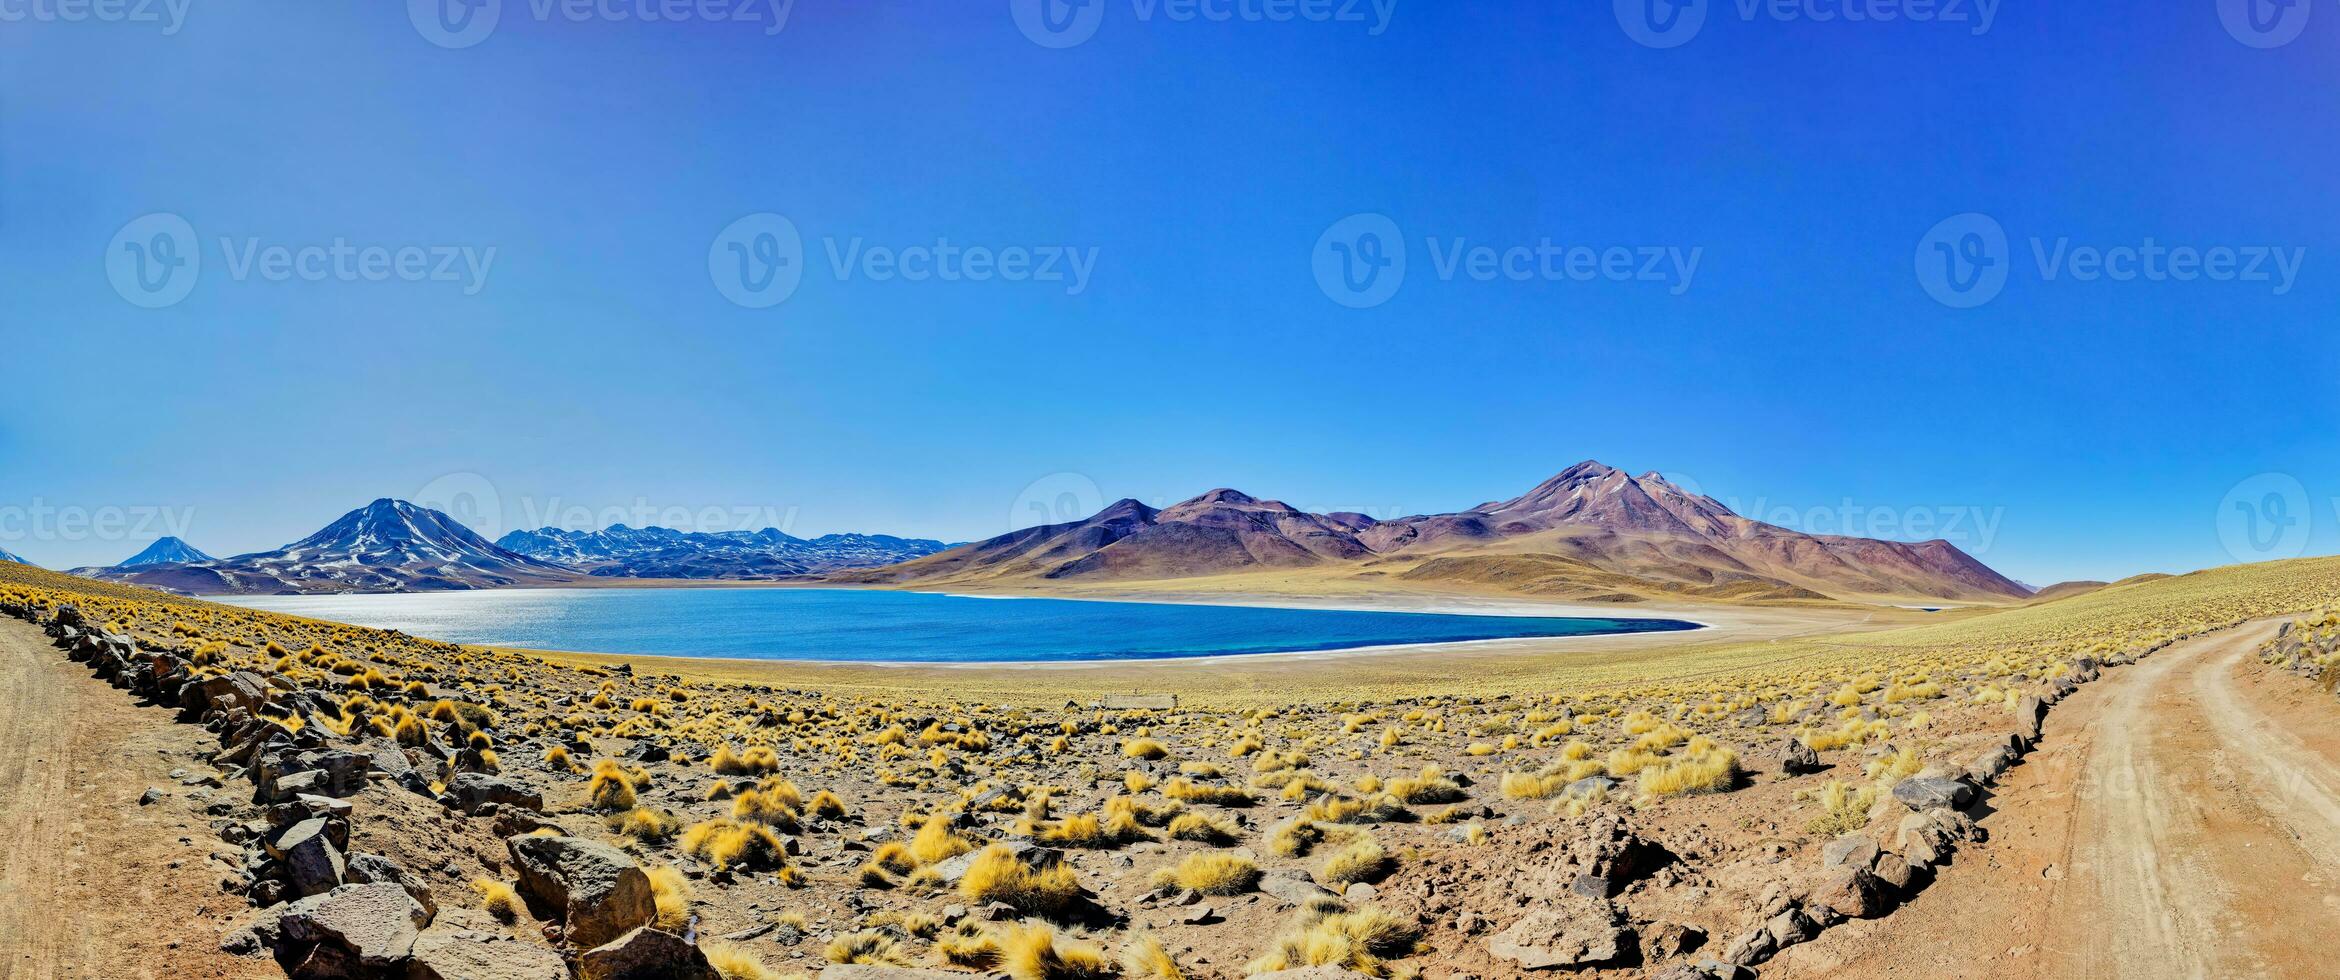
(1731, 637)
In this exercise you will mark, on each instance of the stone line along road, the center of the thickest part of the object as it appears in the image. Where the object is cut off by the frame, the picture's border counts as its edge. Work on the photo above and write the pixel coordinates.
(2181, 819)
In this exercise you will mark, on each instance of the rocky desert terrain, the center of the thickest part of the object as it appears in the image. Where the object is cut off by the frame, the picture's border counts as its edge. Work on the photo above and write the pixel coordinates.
(212, 791)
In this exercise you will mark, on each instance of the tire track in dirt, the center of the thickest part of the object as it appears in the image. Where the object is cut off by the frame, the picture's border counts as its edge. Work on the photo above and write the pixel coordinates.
(92, 884)
(2173, 824)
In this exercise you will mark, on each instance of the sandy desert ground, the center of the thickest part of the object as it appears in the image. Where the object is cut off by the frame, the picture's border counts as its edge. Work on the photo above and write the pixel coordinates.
(208, 791)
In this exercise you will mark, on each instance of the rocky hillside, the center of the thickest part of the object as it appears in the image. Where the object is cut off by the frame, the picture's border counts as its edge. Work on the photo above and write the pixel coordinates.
(1592, 532)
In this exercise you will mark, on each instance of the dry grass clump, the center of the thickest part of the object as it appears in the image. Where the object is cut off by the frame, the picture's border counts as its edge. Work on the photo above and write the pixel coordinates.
(1145, 958)
(756, 761)
(936, 841)
(1703, 767)
(727, 843)
(672, 896)
(497, 898)
(1038, 953)
(1431, 786)
(1188, 791)
(1210, 874)
(1144, 748)
(646, 825)
(1843, 809)
(612, 788)
(1295, 838)
(868, 947)
(999, 876)
(1204, 828)
(736, 963)
(1361, 859)
(968, 946)
(1091, 831)
(1361, 941)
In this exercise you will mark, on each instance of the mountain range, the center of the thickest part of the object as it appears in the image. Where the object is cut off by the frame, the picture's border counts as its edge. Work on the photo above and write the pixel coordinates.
(385, 546)
(5, 556)
(395, 546)
(656, 552)
(1591, 533)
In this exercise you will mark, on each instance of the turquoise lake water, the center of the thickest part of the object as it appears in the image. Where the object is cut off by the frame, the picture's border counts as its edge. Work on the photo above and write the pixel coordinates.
(878, 626)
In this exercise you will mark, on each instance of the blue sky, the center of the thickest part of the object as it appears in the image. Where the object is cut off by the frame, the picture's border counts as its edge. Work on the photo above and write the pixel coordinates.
(593, 366)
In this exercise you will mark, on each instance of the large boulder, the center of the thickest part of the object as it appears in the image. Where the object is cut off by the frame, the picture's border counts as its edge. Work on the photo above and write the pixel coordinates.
(1569, 935)
(1795, 758)
(475, 790)
(645, 954)
(312, 864)
(594, 888)
(1924, 793)
(374, 869)
(466, 945)
(370, 927)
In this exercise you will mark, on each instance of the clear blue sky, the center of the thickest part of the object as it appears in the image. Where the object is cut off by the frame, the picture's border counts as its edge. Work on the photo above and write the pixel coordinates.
(2097, 425)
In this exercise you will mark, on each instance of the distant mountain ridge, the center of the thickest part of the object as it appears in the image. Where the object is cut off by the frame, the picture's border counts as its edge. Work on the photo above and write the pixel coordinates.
(395, 546)
(1592, 532)
(619, 551)
(5, 556)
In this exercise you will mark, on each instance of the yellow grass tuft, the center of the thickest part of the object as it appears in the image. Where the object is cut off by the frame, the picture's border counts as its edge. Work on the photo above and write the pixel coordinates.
(999, 876)
(1210, 874)
(497, 898)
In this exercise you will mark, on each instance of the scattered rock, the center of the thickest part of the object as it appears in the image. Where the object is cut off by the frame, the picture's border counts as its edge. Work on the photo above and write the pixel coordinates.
(594, 888)
(374, 925)
(645, 954)
(1580, 934)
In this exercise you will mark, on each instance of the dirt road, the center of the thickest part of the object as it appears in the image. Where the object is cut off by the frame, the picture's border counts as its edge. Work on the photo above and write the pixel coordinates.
(92, 884)
(2182, 819)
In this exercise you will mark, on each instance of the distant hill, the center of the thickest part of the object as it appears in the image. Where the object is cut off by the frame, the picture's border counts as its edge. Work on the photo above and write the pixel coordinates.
(5, 556)
(2066, 590)
(656, 552)
(166, 551)
(386, 546)
(1592, 532)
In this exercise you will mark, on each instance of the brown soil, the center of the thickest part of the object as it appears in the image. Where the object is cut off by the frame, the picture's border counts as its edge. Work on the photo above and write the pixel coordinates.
(93, 885)
(2181, 819)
